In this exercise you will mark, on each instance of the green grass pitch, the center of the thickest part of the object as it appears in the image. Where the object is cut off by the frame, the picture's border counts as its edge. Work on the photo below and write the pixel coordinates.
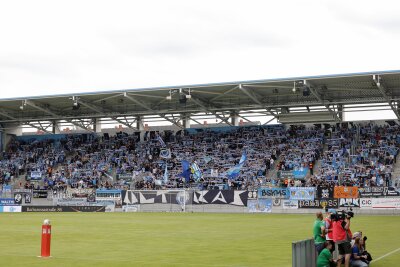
(175, 239)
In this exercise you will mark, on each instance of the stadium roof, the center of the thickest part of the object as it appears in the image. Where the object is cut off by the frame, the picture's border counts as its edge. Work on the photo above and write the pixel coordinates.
(275, 97)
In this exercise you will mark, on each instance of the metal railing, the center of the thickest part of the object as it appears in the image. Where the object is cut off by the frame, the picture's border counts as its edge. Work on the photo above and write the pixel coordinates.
(304, 254)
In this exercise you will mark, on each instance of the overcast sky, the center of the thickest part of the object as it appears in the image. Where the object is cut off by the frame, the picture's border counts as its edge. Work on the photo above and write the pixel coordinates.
(56, 47)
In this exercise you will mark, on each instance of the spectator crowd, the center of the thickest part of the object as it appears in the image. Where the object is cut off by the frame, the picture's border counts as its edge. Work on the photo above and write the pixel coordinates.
(350, 154)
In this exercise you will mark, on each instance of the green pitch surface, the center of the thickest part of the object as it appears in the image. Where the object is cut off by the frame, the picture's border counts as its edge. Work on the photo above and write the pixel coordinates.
(175, 239)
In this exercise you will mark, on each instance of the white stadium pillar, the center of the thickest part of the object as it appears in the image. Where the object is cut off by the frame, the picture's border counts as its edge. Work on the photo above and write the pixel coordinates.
(97, 125)
(234, 118)
(186, 120)
(55, 129)
(140, 127)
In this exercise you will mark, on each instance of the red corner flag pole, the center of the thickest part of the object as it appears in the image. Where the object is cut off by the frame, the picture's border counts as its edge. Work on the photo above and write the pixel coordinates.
(46, 238)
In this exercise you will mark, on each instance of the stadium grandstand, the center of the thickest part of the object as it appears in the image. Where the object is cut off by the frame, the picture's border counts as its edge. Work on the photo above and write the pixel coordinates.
(285, 146)
(294, 124)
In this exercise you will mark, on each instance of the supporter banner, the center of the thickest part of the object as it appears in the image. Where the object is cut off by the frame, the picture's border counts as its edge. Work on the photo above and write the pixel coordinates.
(300, 174)
(273, 192)
(294, 174)
(156, 197)
(285, 174)
(22, 190)
(290, 204)
(126, 177)
(22, 194)
(10, 208)
(252, 194)
(319, 204)
(80, 192)
(36, 175)
(28, 198)
(6, 188)
(6, 201)
(71, 202)
(131, 208)
(232, 197)
(63, 209)
(276, 202)
(380, 203)
(165, 153)
(377, 192)
(324, 192)
(349, 202)
(259, 205)
(302, 193)
(104, 194)
(40, 193)
(345, 192)
(91, 198)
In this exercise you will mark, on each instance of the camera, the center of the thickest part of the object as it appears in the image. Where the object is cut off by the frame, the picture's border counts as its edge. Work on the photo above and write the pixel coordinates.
(341, 215)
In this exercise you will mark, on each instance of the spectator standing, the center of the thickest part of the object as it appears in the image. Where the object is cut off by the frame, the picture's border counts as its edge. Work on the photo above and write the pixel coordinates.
(319, 232)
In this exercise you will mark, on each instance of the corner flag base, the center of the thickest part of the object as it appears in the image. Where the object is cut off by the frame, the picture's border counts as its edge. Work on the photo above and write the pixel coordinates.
(44, 257)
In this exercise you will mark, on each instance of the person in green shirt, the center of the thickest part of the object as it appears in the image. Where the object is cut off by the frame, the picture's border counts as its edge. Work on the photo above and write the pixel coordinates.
(319, 232)
(325, 257)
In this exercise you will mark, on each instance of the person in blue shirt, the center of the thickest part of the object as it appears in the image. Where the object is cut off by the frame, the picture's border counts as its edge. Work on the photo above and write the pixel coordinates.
(357, 260)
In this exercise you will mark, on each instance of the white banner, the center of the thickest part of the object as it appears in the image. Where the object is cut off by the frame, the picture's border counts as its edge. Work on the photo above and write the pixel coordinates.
(380, 203)
(131, 208)
(10, 209)
(36, 174)
(290, 204)
(349, 202)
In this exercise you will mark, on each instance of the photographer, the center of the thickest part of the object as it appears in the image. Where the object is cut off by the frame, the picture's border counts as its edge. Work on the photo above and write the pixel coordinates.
(342, 235)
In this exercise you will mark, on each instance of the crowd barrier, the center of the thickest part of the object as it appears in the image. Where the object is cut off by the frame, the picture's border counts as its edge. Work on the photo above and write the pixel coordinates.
(303, 253)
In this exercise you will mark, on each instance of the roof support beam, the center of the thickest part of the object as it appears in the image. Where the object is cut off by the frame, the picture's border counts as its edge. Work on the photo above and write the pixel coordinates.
(383, 89)
(99, 110)
(251, 95)
(5, 114)
(52, 113)
(256, 98)
(317, 95)
(172, 121)
(196, 121)
(106, 98)
(269, 121)
(134, 100)
(246, 119)
(201, 104)
(224, 93)
(40, 128)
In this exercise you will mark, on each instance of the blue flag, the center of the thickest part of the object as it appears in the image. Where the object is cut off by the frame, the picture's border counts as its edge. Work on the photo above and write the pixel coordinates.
(197, 174)
(185, 170)
(234, 171)
(243, 158)
(166, 173)
(162, 143)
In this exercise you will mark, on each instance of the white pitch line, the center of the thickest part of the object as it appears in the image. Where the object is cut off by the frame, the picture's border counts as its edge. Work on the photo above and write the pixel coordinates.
(387, 254)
